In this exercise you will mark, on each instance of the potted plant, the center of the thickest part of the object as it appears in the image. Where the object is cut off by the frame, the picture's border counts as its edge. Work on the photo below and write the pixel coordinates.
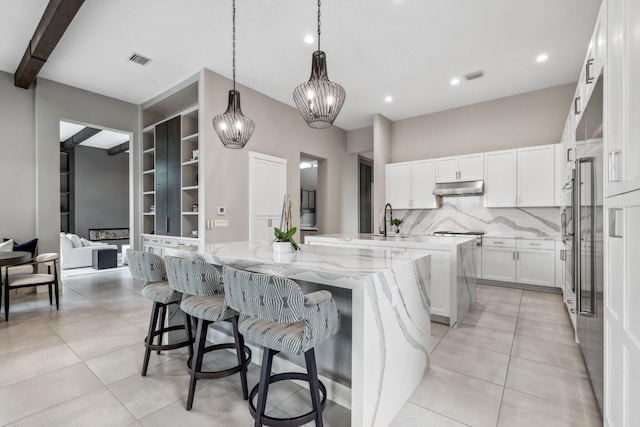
(284, 241)
(397, 222)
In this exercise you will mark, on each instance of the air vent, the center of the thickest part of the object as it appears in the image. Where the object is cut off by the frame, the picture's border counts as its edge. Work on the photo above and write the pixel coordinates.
(475, 75)
(139, 59)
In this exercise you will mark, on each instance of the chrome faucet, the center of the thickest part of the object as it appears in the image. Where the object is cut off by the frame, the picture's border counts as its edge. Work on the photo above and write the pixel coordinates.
(388, 205)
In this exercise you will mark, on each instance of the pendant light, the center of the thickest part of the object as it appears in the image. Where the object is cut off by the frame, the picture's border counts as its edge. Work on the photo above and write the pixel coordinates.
(233, 128)
(319, 100)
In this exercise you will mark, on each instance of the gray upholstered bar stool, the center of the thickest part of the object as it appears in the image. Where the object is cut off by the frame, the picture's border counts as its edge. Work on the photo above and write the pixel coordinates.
(151, 269)
(201, 285)
(275, 314)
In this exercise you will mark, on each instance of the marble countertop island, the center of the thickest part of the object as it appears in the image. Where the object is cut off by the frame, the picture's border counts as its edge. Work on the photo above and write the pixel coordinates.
(390, 308)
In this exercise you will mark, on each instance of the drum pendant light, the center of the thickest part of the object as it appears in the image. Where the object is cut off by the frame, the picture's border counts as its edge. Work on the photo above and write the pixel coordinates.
(319, 100)
(233, 128)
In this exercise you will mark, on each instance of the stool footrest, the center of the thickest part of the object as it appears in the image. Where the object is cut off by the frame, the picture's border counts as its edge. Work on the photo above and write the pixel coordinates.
(293, 421)
(224, 372)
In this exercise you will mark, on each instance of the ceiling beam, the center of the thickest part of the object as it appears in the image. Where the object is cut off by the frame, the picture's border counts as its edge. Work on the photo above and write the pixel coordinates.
(54, 22)
(79, 137)
(118, 149)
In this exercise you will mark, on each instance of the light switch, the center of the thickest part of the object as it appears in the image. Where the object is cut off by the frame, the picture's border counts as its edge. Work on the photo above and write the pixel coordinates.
(221, 223)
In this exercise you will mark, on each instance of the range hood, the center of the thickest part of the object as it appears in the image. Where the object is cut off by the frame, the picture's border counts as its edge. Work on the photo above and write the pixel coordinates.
(465, 188)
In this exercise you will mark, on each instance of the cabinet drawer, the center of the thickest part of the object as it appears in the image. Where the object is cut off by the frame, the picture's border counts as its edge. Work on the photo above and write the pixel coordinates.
(536, 244)
(499, 243)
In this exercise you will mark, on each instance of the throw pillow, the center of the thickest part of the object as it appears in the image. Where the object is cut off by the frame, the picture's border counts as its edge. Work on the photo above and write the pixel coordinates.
(85, 242)
(6, 246)
(29, 246)
(75, 240)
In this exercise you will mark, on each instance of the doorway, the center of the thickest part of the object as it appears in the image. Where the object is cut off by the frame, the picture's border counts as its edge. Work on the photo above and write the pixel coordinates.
(94, 186)
(365, 193)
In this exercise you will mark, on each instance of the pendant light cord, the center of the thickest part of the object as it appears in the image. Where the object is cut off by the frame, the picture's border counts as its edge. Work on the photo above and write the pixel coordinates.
(318, 24)
(234, 44)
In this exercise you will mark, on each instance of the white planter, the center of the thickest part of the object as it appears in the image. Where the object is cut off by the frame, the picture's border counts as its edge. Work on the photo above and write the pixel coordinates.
(282, 247)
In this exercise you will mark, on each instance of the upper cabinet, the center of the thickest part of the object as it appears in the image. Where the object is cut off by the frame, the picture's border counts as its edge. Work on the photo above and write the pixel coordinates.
(536, 176)
(469, 167)
(409, 185)
(523, 177)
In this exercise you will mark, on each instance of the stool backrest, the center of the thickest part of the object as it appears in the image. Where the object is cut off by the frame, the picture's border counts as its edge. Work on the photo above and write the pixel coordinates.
(146, 266)
(193, 277)
(272, 298)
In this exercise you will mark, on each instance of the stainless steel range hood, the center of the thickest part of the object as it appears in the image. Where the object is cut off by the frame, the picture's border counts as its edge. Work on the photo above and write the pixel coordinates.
(465, 188)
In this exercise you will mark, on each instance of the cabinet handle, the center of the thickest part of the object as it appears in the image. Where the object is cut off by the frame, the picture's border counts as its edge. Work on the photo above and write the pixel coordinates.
(535, 244)
(563, 255)
(576, 102)
(614, 165)
(513, 255)
(614, 222)
(588, 77)
(166, 223)
(269, 222)
(498, 243)
(569, 150)
(518, 255)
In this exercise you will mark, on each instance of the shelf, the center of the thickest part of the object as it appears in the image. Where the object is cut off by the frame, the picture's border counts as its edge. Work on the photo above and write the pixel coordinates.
(149, 214)
(149, 172)
(64, 193)
(64, 213)
(190, 111)
(190, 188)
(149, 150)
(149, 129)
(191, 138)
(190, 163)
(190, 213)
(64, 173)
(148, 193)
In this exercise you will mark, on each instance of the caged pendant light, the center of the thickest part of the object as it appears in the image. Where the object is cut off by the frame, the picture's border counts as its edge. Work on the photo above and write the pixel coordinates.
(319, 100)
(233, 128)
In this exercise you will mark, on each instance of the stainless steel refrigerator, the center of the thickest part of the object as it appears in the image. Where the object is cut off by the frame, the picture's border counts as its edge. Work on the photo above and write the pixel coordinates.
(588, 244)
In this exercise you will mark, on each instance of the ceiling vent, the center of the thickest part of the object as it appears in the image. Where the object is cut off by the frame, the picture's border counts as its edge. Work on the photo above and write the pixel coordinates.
(139, 59)
(475, 75)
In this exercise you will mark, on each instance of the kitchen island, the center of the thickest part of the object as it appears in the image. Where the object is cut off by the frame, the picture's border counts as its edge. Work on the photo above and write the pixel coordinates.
(453, 281)
(388, 301)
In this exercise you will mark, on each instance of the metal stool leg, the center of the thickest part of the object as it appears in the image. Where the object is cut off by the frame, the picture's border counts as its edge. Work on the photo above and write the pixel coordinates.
(201, 338)
(314, 387)
(263, 388)
(242, 360)
(149, 340)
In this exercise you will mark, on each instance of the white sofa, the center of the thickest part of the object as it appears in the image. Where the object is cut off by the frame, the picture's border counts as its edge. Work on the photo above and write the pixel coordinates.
(76, 252)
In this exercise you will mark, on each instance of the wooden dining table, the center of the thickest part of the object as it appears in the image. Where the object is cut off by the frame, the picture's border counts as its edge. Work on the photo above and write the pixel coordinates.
(14, 258)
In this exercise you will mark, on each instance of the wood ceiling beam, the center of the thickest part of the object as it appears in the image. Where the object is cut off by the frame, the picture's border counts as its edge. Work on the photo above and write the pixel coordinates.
(54, 22)
(79, 137)
(118, 149)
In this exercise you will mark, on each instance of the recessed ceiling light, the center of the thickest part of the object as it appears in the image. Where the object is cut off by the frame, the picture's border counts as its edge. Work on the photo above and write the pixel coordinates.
(455, 81)
(388, 99)
(308, 39)
(542, 57)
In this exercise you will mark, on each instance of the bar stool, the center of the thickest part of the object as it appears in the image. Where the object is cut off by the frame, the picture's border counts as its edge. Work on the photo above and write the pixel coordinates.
(201, 285)
(275, 314)
(150, 268)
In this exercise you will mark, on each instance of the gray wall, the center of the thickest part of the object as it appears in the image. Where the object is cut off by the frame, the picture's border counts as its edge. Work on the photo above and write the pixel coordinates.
(102, 190)
(17, 161)
(360, 140)
(281, 132)
(382, 147)
(55, 102)
(533, 118)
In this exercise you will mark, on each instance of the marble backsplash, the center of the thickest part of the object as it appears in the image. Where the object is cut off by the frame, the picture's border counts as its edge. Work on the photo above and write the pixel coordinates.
(469, 214)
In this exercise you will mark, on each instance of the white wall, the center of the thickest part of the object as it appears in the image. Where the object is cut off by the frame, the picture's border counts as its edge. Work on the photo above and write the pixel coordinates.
(382, 147)
(360, 140)
(528, 119)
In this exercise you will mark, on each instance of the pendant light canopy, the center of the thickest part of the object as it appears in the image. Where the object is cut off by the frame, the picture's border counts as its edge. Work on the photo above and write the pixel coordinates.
(319, 100)
(233, 128)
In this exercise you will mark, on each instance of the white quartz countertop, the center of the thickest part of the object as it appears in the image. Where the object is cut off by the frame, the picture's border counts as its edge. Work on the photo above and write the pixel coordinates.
(514, 236)
(324, 263)
(404, 241)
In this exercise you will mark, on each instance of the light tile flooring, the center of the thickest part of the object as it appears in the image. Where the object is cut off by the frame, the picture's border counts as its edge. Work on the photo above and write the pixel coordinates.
(512, 363)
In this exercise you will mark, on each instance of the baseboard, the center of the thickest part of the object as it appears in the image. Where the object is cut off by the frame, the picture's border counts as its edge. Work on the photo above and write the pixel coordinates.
(524, 286)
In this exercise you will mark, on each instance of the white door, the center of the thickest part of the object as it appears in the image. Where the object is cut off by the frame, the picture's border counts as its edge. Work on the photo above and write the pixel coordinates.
(535, 266)
(267, 187)
(500, 179)
(423, 179)
(398, 185)
(536, 176)
(447, 169)
(471, 167)
(498, 263)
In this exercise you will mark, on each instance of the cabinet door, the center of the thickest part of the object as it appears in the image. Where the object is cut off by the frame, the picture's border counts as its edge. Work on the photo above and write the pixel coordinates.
(498, 264)
(262, 228)
(536, 176)
(560, 265)
(161, 179)
(398, 186)
(500, 179)
(558, 175)
(471, 167)
(423, 178)
(174, 174)
(267, 187)
(535, 266)
(447, 169)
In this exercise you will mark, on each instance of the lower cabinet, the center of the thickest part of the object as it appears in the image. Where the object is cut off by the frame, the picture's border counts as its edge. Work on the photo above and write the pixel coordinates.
(159, 244)
(524, 261)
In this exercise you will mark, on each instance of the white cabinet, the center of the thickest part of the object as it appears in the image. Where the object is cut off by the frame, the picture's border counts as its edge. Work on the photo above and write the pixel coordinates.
(267, 187)
(561, 257)
(536, 176)
(558, 175)
(498, 259)
(500, 179)
(409, 185)
(469, 167)
(519, 261)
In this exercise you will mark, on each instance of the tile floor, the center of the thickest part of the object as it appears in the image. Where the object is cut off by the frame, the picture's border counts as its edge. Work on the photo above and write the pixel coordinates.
(512, 363)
